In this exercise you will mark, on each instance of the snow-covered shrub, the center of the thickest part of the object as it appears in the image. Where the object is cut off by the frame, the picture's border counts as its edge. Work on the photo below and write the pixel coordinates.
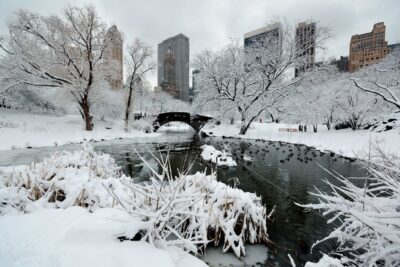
(368, 216)
(144, 124)
(39, 100)
(191, 210)
(65, 179)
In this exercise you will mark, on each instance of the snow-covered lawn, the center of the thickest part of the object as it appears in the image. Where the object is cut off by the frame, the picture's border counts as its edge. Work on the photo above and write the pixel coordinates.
(346, 142)
(21, 130)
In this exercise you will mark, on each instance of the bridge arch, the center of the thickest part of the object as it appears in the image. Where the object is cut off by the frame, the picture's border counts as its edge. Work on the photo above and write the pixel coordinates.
(194, 120)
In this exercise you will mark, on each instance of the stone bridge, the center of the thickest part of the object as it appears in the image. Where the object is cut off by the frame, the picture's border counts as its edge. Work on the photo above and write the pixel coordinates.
(196, 121)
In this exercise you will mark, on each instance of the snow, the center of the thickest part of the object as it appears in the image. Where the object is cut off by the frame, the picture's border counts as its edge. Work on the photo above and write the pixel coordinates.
(76, 237)
(247, 158)
(21, 130)
(221, 158)
(345, 142)
(326, 261)
(256, 255)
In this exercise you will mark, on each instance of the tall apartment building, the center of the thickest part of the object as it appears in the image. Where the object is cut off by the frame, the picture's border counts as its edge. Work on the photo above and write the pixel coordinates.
(368, 48)
(305, 46)
(267, 36)
(169, 83)
(179, 48)
(113, 63)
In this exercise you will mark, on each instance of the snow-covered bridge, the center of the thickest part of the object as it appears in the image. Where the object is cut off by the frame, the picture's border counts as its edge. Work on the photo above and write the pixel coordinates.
(196, 121)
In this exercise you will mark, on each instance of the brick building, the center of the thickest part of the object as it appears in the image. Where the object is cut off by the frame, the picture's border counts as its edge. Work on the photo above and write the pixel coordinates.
(368, 48)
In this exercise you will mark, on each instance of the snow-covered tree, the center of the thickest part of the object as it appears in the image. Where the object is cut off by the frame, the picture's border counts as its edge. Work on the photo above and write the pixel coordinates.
(138, 63)
(56, 51)
(315, 99)
(358, 108)
(381, 79)
(253, 79)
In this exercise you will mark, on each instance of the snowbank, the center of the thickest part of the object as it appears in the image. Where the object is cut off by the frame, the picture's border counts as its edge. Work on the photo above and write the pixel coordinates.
(76, 237)
(324, 262)
(23, 130)
(346, 142)
(221, 158)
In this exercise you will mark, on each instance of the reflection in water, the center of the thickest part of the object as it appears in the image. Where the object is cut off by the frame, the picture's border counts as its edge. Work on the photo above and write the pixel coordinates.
(281, 174)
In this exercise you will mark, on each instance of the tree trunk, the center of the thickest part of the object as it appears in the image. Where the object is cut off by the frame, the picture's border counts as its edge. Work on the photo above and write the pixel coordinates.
(128, 107)
(244, 126)
(86, 113)
(85, 99)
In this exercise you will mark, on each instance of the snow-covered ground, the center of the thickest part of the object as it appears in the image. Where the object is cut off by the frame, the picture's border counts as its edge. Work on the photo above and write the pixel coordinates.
(21, 130)
(76, 237)
(346, 142)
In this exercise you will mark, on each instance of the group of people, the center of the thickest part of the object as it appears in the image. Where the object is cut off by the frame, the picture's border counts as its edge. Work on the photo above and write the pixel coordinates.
(302, 128)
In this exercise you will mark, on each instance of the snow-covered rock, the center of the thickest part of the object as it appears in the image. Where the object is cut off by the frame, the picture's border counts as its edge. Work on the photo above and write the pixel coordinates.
(221, 158)
(247, 158)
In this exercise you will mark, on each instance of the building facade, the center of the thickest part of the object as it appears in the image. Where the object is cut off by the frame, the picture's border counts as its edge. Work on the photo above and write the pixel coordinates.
(263, 44)
(305, 46)
(113, 62)
(266, 36)
(179, 48)
(394, 47)
(169, 66)
(342, 64)
(368, 48)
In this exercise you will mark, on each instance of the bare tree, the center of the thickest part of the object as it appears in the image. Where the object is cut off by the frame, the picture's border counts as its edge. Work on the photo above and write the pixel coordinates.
(138, 63)
(56, 51)
(254, 79)
(382, 79)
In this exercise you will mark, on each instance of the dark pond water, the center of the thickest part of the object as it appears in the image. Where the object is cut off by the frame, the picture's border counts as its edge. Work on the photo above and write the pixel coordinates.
(281, 173)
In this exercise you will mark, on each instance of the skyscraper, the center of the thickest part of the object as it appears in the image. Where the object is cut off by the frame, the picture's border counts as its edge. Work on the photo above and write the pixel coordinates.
(179, 47)
(368, 48)
(305, 46)
(113, 64)
(169, 83)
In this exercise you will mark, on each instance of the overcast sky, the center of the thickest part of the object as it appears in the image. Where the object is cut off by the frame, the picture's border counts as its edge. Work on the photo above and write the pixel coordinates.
(210, 23)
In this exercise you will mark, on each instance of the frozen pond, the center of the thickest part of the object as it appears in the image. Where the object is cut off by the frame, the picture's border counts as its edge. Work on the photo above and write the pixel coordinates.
(281, 173)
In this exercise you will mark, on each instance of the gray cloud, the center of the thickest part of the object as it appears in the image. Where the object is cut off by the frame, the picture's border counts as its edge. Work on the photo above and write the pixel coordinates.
(210, 23)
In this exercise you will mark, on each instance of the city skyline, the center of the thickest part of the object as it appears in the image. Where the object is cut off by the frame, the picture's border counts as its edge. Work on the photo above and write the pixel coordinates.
(212, 24)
